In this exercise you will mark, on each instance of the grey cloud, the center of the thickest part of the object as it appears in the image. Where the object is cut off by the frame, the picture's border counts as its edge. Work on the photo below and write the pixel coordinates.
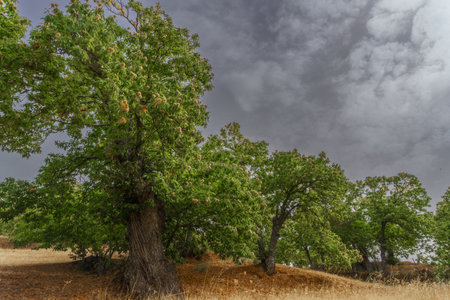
(365, 80)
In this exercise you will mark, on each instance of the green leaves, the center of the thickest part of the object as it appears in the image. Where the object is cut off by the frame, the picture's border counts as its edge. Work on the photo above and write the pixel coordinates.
(309, 240)
(293, 181)
(395, 208)
(16, 197)
(12, 26)
(296, 187)
(73, 216)
(214, 202)
(442, 234)
(78, 76)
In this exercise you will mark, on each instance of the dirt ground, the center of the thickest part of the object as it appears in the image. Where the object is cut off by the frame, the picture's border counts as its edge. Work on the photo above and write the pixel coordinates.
(47, 274)
(224, 279)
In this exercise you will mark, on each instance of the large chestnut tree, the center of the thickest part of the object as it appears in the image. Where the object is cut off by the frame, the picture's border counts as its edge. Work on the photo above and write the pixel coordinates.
(119, 87)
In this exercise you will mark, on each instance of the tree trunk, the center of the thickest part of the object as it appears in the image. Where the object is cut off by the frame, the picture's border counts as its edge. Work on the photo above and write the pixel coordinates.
(312, 265)
(262, 249)
(270, 258)
(186, 249)
(390, 257)
(366, 262)
(322, 266)
(148, 272)
(383, 247)
(269, 262)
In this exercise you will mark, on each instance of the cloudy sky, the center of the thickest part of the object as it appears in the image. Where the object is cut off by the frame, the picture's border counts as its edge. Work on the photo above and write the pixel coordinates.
(367, 81)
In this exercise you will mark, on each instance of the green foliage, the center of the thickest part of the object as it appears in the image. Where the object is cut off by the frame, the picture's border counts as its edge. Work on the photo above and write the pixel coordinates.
(442, 235)
(6, 228)
(295, 187)
(354, 228)
(292, 182)
(110, 90)
(395, 209)
(309, 240)
(16, 197)
(76, 217)
(217, 202)
(308, 237)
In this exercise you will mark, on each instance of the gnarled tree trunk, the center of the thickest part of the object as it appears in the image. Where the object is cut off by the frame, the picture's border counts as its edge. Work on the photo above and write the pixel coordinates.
(148, 272)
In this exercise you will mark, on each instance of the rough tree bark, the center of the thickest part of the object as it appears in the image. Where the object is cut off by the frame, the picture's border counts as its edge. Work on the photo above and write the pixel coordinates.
(148, 272)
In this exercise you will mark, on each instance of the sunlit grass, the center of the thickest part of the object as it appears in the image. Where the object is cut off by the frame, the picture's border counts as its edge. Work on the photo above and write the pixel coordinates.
(410, 291)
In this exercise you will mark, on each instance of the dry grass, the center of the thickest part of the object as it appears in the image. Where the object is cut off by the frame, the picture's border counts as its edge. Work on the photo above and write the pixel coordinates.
(22, 257)
(413, 291)
(46, 274)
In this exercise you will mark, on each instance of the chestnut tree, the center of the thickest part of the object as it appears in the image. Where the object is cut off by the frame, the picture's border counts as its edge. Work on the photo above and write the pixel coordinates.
(119, 86)
(396, 210)
(293, 184)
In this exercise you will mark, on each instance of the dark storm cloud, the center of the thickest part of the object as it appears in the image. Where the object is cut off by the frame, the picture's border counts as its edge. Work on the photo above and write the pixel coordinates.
(365, 80)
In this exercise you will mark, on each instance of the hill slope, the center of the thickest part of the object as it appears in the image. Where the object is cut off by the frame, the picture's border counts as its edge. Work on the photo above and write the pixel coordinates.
(47, 274)
(218, 277)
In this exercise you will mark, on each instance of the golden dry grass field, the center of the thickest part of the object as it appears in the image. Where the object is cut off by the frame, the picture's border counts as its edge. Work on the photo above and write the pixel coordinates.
(47, 274)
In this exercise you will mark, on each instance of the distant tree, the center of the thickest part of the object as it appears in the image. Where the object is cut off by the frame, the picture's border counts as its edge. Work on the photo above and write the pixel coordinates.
(395, 208)
(80, 218)
(308, 239)
(354, 228)
(11, 204)
(15, 196)
(293, 184)
(442, 234)
(126, 105)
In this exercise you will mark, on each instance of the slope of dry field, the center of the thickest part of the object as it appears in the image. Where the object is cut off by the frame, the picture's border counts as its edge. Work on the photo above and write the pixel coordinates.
(46, 274)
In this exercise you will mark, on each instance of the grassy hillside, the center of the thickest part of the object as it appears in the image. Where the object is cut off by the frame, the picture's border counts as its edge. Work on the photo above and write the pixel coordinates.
(46, 274)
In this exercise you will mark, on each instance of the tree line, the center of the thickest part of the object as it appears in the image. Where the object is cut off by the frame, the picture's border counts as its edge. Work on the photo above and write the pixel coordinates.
(135, 175)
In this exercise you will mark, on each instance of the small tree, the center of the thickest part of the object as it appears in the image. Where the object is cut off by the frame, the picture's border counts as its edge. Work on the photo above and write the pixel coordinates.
(308, 239)
(127, 103)
(396, 210)
(294, 184)
(81, 219)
